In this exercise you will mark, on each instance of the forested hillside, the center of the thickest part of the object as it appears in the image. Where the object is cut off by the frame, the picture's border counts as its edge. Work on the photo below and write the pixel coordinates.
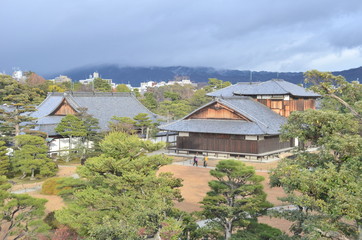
(136, 75)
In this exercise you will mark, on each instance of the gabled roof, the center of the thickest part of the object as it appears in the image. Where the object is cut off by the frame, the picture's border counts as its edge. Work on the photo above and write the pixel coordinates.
(271, 87)
(263, 120)
(102, 106)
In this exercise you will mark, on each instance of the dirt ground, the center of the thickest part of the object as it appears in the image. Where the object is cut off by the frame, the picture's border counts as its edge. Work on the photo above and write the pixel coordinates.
(195, 186)
(54, 202)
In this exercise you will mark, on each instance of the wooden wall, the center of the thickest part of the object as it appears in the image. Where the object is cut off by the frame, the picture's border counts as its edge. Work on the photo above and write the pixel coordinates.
(217, 111)
(285, 107)
(64, 109)
(272, 143)
(230, 143)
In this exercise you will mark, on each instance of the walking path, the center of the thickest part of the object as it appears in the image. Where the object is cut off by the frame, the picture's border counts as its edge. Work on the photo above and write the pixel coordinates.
(189, 162)
(64, 171)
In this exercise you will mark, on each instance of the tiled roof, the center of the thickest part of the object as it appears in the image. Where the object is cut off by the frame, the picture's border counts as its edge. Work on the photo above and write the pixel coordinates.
(264, 120)
(272, 87)
(102, 106)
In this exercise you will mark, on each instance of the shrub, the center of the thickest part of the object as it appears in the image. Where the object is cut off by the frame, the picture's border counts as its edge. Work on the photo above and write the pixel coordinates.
(50, 186)
(52, 221)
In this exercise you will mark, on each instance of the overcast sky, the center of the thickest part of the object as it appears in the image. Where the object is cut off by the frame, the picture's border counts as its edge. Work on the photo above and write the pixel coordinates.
(273, 35)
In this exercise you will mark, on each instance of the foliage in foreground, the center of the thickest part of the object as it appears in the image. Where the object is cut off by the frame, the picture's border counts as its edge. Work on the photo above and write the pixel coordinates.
(120, 195)
(20, 214)
(325, 186)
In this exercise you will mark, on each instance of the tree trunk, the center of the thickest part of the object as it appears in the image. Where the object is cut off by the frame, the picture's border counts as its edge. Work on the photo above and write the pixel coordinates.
(359, 228)
(69, 147)
(344, 103)
(228, 230)
(32, 174)
(17, 124)
(157, 235)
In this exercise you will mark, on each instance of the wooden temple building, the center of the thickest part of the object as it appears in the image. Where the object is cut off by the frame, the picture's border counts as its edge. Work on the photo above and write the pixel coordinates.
(243, 121)
(102, 106)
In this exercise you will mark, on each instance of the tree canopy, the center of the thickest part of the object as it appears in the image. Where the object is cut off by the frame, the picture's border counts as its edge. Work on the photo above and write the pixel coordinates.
(121, 196)
(236, 197)
(338, 93)
(101, 85)
(20, 100)
(324, 185)
(122, 88)
(4, 160)
(31, 157)
(20, 214)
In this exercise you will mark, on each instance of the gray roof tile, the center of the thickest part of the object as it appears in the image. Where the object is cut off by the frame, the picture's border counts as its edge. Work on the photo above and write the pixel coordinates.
(264, 120)
(102, 106)
(271, 87)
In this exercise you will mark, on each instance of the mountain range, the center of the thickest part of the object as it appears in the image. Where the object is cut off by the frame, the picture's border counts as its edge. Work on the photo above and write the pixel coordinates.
(136, 75)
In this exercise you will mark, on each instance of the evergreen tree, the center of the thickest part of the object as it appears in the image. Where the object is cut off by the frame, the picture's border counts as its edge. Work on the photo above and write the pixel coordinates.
(122, 124)
(21, 215)
(4, 160)
(122, 88)
(149, 101)
(338, 93)
(215, 84)
(236, 197)
(143, 122)
(91, 125)
(71, 126)
(199, 98)
(119, 195)
(20, 100)
(324, 185)
(31, 157)
(101, 85)
(175, 109)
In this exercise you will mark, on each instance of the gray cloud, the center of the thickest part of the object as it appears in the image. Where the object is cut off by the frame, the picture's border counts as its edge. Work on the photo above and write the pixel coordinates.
(280, 35)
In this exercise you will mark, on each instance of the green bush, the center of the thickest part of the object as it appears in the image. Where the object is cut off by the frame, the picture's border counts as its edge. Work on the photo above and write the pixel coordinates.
(259, 231)
(52, 221)
(50, 186)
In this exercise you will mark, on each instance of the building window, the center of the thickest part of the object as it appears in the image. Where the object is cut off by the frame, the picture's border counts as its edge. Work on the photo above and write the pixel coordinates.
(183, 134)
(253, 138)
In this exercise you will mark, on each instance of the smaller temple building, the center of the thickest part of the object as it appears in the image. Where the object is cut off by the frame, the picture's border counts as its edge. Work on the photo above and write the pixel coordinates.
(243, 121)
(102, 106)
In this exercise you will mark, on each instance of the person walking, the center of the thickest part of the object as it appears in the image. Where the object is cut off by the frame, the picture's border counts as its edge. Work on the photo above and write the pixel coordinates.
(206, 158)
(195, 162)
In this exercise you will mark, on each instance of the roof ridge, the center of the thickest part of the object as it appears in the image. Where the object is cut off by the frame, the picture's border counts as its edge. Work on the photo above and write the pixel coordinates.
(48, 96)
(132, 95)
(276, 81)
(53, 109)
(72, 101)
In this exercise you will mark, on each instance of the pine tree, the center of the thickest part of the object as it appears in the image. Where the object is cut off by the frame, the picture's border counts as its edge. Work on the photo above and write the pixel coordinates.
(4, 159)
(20, 100)
(31, 157)
(143, 122)
(236, 197)
(20, 215)
(71, 126)
(119, 195)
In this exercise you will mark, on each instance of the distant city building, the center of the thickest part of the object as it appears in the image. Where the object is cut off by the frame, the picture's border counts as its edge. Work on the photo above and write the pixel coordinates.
(180, 80)
(19, 76)
(94, 76)
(61, 79)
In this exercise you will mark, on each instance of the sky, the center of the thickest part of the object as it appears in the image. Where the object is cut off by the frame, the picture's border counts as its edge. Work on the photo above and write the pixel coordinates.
(48, 36)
